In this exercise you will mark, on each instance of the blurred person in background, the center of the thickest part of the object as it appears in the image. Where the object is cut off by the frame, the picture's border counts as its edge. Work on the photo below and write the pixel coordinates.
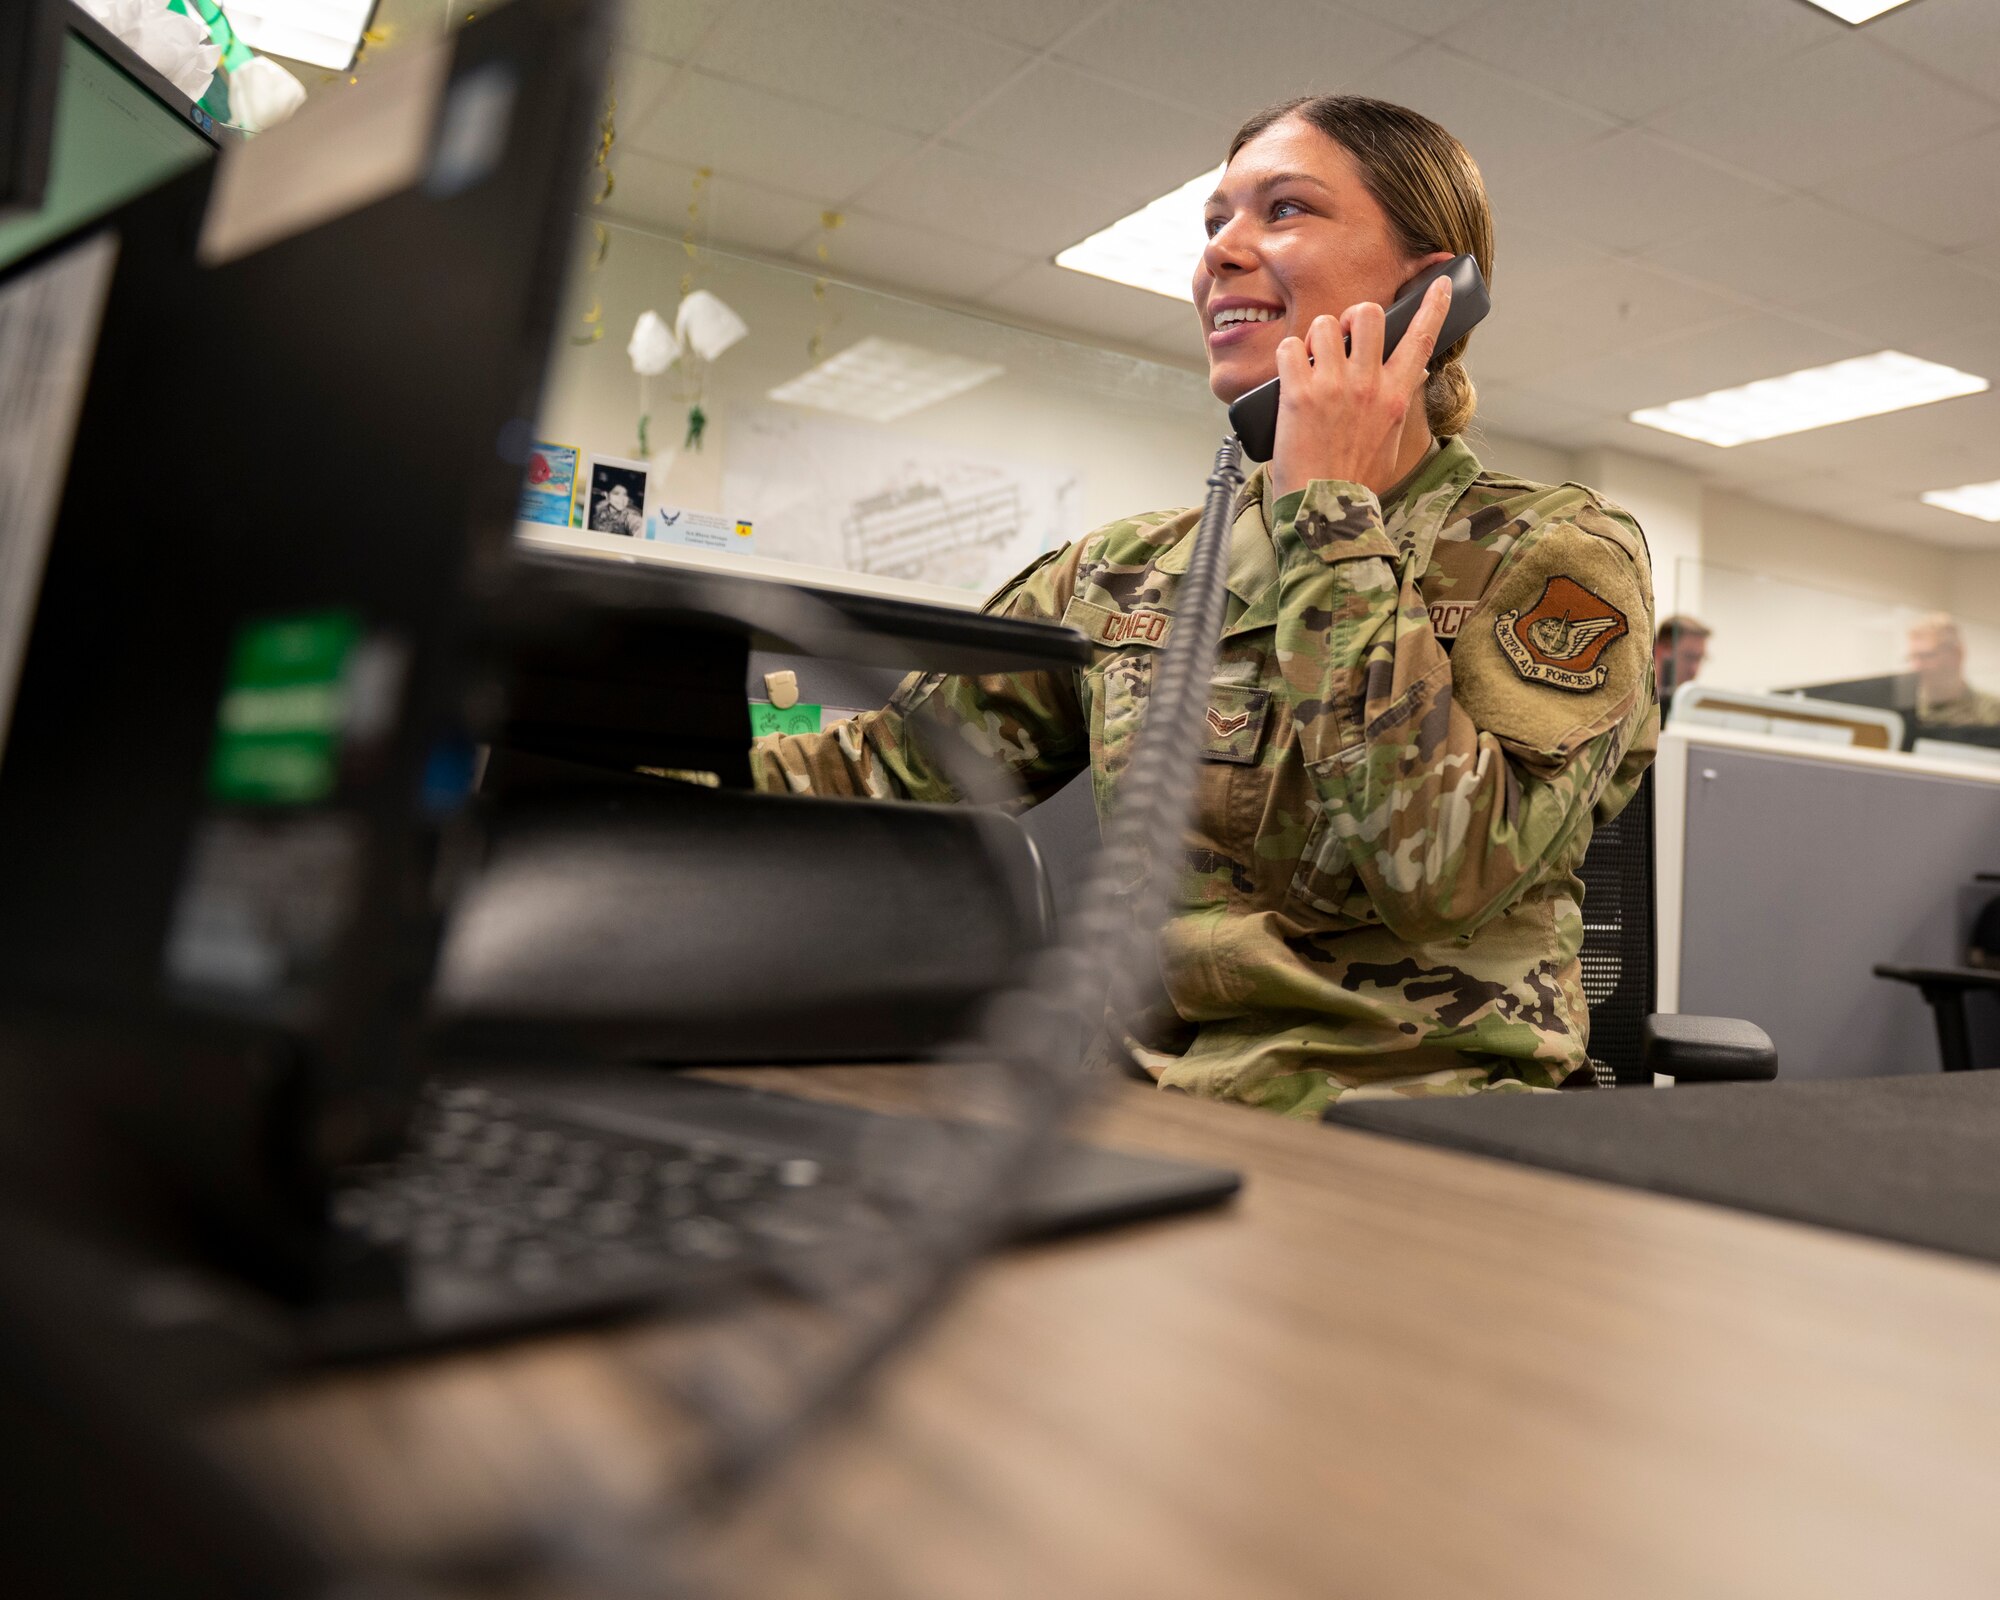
(1679, 649)
(1944, 698)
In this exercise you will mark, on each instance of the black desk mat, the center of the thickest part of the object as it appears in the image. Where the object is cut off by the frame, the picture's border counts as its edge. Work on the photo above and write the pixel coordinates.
(1911, 1159)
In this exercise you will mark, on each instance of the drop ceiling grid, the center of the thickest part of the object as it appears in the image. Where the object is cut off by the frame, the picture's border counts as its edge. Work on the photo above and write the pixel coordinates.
(1705, 243)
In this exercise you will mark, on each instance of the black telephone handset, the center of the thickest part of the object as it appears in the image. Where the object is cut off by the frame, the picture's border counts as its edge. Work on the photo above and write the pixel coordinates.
(1255, 416)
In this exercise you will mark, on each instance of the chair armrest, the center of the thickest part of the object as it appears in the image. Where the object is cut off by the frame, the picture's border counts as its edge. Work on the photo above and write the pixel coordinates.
(1708, 1049)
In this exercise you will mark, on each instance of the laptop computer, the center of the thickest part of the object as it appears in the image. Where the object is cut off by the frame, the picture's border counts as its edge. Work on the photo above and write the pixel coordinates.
(239, 743)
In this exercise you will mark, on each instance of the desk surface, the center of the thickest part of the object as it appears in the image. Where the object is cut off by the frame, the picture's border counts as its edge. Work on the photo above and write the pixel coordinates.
(1388, 1371)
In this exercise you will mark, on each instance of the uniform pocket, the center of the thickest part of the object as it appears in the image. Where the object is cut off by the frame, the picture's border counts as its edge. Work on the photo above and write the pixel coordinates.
(1326, 882)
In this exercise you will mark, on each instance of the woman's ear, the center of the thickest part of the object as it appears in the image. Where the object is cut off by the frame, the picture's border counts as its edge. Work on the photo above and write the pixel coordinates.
(1423, 264)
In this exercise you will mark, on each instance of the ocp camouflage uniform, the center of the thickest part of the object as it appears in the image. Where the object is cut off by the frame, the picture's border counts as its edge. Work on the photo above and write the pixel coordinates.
(1417, 713)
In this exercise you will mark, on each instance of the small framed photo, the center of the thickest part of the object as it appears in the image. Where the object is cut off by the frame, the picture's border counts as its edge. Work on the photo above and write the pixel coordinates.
(613, 496)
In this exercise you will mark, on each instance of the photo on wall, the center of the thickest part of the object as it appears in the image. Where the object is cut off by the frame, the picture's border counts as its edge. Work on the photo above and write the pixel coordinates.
(614, 496)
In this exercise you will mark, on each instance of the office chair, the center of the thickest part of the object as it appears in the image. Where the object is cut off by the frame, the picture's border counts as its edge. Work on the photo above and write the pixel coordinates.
(1629, 1041)
(1946, 990)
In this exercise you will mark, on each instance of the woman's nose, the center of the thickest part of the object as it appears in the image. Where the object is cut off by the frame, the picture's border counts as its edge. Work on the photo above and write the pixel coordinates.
(1227, 249)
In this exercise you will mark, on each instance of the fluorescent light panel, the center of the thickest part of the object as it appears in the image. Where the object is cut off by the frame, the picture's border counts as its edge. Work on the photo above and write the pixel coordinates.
(1858, 11)
(1981, 500)
(1156, 247)
(1817, 397)
(880, 380)
(324, 33)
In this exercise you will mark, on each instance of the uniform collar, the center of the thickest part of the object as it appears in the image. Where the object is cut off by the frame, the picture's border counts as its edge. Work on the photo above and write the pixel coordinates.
(1413, 512)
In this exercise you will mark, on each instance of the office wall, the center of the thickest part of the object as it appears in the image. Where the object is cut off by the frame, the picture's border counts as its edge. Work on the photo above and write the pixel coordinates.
(1137, 434)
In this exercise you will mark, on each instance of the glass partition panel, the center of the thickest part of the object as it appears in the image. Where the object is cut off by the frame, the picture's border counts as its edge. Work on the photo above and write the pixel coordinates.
(853, 429)
(1771, 635)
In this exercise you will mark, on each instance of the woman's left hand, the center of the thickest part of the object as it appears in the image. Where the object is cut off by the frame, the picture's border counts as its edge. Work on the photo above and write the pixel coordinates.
(1341, 413)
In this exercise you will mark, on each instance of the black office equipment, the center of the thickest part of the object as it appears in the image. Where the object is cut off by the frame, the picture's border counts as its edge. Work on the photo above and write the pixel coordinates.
(617, 664)
(86, 123)
(1948, 989)
(233, 794)
(658, 921)
(30, 50)
(1908, 1159)
(1254, 416)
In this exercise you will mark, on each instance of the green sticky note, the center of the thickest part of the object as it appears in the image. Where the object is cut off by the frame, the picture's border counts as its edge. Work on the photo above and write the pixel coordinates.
(283, 707)
(767, 718)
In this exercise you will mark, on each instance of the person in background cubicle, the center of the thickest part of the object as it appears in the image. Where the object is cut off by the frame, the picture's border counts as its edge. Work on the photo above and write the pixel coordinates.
(1432, 678)
(1679, 649)
(1944, 698)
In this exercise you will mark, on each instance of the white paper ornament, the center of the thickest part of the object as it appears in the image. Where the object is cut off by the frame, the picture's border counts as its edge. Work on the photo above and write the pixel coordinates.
(653, 347)
(707, 326)
(263, 94)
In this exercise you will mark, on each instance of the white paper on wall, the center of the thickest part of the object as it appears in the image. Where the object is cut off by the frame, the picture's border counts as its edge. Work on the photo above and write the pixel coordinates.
(877, 500)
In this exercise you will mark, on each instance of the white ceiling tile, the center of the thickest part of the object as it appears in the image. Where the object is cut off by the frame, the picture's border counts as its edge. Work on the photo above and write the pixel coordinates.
(1935, 299)
(1716, 357)
(668, 28)
(1634, 57)
(884, 66)
(1529, 263)
(1072, 128)
(1905, 452)
(1425, 17)
(1625, 304)
(1842, 107)
(910, 258)
(1091, 307)
(1791, 251)
(711, 122)
(1035, 24)
(638, 86)
(1514, 345)
(1508, 126)
(654, 194)
(1193, 51)
(1950, 197)
(973, 197)
(1624, 192)
(1955, 37)
(1525, 414)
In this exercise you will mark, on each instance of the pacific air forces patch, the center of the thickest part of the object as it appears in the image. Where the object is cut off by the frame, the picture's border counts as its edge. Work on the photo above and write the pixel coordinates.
(1559, 639)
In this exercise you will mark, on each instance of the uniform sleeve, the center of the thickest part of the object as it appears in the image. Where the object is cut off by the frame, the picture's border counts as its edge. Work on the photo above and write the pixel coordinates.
(1030, 722)
(1451, 778)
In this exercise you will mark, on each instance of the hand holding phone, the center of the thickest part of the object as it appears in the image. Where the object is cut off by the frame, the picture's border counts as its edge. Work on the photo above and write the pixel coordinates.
(1255, 415)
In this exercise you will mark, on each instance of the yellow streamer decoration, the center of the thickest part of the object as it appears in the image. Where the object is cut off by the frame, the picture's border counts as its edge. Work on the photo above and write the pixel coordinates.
(607, 136)
(829, 223)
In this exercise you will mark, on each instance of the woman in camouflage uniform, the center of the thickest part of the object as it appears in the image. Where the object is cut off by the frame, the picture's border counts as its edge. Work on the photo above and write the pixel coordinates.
(1432, 680)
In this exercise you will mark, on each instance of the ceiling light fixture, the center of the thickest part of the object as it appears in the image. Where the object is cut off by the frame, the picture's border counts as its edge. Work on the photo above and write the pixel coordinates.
(1155, 248)
(880, 380)
(1817, 397)
(1981, 500)
(1858, 11)
(325, 33)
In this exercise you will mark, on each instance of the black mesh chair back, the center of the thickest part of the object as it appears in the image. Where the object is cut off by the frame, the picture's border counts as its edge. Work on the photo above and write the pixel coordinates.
(1618, 949)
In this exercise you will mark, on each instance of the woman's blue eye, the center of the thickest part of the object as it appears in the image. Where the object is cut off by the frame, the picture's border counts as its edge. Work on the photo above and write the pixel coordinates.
(1278, 207)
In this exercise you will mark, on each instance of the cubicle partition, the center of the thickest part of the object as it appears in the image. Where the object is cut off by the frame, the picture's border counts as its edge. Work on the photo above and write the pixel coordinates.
(1787, 870)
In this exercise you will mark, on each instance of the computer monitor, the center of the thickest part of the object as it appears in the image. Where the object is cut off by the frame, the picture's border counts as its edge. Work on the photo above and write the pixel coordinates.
(240, 733)
(87, 125)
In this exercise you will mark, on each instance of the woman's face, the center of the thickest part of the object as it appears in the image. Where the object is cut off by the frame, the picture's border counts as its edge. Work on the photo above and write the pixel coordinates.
(1293, 234)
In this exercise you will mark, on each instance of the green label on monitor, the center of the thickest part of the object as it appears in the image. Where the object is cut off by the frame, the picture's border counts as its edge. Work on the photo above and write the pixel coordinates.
(284, 705)
(767, 718)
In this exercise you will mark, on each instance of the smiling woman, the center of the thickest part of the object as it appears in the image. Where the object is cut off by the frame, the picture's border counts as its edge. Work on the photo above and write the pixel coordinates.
(1432, 683)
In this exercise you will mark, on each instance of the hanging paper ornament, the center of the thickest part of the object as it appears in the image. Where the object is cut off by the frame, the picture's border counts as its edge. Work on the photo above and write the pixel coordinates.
(706, 326)
(697, 421)
(653, 347)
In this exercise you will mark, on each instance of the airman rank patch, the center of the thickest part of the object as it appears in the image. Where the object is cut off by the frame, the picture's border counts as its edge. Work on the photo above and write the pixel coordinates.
(1559, 639)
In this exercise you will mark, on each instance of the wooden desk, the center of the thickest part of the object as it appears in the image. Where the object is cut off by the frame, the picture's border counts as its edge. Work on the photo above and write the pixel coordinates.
(1388, 1371)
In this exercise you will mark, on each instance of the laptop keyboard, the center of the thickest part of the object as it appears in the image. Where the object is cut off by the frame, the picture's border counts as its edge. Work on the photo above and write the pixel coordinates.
(494, 1201)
